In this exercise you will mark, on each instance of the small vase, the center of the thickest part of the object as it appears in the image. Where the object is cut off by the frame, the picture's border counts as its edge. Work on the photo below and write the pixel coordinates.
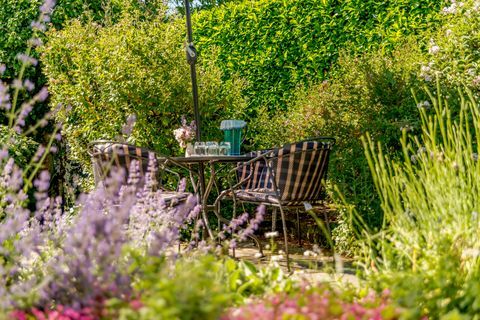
(189, 150)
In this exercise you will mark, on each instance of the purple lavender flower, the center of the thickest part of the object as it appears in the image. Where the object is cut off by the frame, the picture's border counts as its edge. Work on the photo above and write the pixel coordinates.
(253, 224)
(43, 181)
(47, 7)
(27, 59)
(35, 42)
(29, 85)
(38, 26)
(42, 95)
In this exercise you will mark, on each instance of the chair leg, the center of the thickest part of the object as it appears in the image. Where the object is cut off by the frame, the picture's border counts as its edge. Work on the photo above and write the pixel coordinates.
(274, 219)
(284, 224)
(327, 222)
(299, 234)
(257, 242)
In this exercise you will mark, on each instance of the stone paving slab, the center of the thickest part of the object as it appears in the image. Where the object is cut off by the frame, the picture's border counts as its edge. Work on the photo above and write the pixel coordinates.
(305, 263)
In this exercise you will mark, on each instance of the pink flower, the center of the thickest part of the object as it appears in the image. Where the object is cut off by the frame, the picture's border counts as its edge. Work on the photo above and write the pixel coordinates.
(136, 304)
(18, 315)
(185, 133)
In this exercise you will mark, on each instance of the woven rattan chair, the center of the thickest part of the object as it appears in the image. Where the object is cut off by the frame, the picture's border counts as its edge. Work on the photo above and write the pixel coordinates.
(111, 156)
(291, 176)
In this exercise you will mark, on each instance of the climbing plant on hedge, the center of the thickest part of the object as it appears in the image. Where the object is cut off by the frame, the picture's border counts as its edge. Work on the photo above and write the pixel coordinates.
(134, 67)
(277, 45)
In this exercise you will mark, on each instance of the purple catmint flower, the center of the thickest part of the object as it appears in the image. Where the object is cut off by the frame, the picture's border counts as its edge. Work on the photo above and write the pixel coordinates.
(35, 42)
(42, 95)
(38, 26)
(47, 6)
(2, 69)
(29, 85)
(27, 59)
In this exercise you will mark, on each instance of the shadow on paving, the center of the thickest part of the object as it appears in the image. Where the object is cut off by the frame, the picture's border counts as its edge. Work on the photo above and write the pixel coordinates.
(313, 266)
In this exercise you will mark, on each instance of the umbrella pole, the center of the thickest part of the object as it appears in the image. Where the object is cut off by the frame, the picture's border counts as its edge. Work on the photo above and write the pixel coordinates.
(192, 59)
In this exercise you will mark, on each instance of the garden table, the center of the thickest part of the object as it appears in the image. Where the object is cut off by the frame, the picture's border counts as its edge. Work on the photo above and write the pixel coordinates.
(203, 188)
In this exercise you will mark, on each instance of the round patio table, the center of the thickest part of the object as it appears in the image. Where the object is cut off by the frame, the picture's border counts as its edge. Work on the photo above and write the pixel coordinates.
(205, 187)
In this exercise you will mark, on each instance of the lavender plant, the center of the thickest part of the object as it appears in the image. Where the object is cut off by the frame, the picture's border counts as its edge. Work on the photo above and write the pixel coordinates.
(82, 256)
(48, 256)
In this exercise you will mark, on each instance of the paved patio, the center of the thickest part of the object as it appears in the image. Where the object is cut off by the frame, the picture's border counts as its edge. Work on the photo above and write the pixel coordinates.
(307, 262)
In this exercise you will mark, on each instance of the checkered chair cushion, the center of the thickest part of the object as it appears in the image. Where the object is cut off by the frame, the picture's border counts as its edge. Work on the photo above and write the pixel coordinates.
(260, 174)
(298, 170)
(108, 157)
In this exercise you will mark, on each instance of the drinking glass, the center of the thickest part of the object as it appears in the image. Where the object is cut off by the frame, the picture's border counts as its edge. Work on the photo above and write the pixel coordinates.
(189, 151)
(224, 148)
(212, 148)
(199, 149)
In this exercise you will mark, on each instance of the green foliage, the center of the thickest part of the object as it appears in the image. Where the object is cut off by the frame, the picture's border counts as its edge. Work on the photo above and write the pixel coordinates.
(428, 250)
(370, 93)
(198, 287)
(19, 147)
(132, 67)
(278, 45)
(17, 15)
(454, 50)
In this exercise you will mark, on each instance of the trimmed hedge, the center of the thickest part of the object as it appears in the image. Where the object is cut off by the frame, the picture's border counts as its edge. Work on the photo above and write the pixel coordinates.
(277, 45)
(133, 67)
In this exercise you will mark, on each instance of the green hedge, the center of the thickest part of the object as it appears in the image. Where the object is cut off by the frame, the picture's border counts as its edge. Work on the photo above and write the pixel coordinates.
(17, 15)
(277, 45)
(132, 67)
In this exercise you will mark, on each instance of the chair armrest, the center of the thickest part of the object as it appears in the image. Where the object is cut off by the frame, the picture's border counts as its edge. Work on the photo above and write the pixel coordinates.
(264, 157)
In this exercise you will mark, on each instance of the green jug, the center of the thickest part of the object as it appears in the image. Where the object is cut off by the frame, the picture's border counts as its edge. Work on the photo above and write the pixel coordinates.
(232, 131)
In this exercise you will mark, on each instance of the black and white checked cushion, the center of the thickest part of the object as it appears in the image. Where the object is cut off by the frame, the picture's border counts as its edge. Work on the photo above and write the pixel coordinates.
(298, 170)
(110, 156)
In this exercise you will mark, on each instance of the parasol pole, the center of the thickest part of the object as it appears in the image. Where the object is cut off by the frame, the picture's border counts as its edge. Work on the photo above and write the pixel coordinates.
(192, 59)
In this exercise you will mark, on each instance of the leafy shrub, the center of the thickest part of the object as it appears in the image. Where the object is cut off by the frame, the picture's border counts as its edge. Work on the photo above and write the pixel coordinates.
(278, 45)
(370, 93)
(18, 16)
(132, 67)
(453, 53)
(427, 252)
(198, 287)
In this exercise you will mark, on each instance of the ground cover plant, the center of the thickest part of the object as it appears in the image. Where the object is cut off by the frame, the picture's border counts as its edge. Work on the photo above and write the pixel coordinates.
(320, 302)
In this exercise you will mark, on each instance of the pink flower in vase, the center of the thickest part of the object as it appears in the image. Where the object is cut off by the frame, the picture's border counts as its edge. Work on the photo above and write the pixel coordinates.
(185, 133)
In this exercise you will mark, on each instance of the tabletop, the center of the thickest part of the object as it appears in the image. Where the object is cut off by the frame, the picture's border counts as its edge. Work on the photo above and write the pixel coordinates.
(212, 158)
